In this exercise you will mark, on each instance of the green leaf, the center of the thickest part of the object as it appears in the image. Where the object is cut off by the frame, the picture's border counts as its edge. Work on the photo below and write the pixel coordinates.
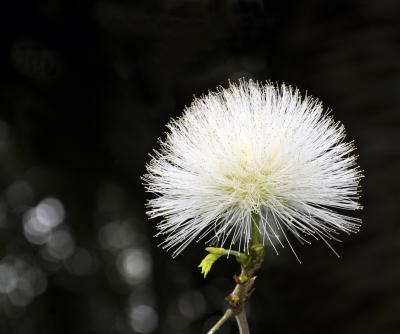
(207, 263)
(215, 253)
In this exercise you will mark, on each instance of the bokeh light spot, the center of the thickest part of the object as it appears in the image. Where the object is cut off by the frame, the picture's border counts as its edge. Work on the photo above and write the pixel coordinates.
(82, 262)
(143, 319)
(60, 245)
(143, 296)
(174, 320)
(40, 221)
(8, 278)
(192, 305)
(19, 193)
(20, 281)
(113, 235)
(134, 265)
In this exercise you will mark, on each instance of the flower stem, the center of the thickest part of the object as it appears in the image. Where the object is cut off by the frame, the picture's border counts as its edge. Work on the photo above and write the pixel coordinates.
(225, 317)
(242, 322)
(249, 262)
(255, 230)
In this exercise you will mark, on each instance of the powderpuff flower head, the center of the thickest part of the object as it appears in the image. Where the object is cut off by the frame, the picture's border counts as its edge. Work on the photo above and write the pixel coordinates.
(248, 150)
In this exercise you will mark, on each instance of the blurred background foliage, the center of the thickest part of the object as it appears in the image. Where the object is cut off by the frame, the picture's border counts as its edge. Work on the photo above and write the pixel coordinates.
(86, 88)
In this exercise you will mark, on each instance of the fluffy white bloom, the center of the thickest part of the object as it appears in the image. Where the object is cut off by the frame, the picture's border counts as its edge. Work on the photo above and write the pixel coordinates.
(253, 149)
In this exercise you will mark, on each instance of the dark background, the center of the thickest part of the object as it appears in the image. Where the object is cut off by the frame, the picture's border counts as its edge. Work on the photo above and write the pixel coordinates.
(86, 88)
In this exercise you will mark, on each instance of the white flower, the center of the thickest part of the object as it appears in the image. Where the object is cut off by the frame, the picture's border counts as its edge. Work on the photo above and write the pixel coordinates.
(253, 149)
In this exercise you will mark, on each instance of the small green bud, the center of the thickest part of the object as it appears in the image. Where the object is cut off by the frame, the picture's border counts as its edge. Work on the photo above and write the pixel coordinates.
(243, 279)
(235, 300)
